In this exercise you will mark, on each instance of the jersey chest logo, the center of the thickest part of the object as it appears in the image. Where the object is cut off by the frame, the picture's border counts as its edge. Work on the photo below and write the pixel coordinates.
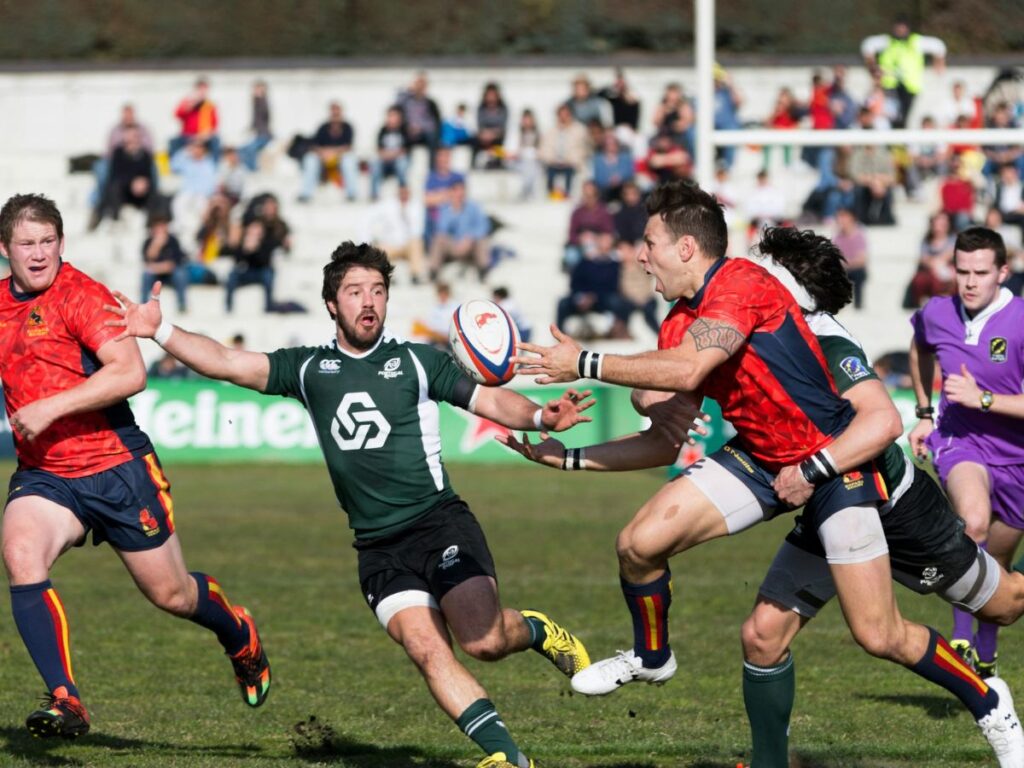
(36, 324)
(359, 424)
(997, 349)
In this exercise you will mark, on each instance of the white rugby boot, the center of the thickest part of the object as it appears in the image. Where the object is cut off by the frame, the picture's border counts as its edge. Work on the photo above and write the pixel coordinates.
(1002, 728)
(603, 677)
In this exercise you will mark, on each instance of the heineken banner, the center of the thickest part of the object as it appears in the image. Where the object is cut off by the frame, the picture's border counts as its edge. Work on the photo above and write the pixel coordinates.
(205, 421)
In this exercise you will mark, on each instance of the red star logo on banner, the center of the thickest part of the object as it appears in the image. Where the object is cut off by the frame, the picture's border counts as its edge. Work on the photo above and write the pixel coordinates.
(479, 431)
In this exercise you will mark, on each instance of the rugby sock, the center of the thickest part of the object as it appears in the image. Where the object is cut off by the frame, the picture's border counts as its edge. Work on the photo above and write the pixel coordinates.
(985, 641)
(768, 694)
(213, 611)
(39, 616)
(963, 625)
(482, 723)
(943, 666)
(648, 605)
(537, 633)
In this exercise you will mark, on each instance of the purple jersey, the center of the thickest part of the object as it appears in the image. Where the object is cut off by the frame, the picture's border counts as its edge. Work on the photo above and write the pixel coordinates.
(991, 345)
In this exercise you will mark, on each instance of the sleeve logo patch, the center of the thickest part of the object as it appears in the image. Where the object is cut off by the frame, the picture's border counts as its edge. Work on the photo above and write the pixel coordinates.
(854, 368)
(997, 350)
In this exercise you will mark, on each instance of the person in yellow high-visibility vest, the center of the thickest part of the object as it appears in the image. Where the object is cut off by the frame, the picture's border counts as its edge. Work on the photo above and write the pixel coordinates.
(899, 57)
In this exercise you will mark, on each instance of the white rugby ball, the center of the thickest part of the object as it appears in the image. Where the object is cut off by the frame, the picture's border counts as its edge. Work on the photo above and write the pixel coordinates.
(483, 339)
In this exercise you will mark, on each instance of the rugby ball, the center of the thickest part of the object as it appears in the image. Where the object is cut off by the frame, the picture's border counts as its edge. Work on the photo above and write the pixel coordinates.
(483, 339)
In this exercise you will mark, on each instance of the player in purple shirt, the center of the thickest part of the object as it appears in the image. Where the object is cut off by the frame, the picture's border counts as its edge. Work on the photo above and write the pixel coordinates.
(978, 442)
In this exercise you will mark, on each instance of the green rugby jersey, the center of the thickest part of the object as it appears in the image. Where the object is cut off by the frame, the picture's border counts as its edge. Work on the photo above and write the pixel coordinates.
(376, 417)
(849, 365)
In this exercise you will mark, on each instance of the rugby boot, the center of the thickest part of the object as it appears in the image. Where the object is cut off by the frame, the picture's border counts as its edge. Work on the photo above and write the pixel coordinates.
(986, 669)
(562, 649)
(62, 715)
(1002, 729)
(500, 760)
(607, 675)
(252, 670)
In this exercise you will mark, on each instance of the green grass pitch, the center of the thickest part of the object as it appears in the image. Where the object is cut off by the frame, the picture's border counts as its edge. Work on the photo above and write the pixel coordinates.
(344, 695)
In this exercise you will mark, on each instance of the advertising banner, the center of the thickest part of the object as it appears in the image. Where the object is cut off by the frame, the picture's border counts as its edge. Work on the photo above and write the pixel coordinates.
(206, 421)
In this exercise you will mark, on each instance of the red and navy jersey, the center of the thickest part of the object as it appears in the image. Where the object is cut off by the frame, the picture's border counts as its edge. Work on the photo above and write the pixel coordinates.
(48, 344)
(776, 389)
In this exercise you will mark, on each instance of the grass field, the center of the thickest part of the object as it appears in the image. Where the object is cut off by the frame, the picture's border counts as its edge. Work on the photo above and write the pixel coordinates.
(161, 694)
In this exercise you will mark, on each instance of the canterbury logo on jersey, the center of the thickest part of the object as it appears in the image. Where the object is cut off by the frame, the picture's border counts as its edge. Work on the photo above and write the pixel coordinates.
(330, 366)
(358, 423)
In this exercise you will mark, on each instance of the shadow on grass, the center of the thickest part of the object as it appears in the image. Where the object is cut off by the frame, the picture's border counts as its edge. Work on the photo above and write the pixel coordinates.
(314, 740)
(935, 707)
(18, 742)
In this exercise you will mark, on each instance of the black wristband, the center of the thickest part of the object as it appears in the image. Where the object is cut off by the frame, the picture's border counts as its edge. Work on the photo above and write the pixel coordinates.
(818, 468)
(924, 411)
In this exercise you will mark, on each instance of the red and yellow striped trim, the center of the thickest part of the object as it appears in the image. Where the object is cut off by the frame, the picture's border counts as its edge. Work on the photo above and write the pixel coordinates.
(651, 614)
(949, 660)
(60, 623)
(221, 599)
(156, 474)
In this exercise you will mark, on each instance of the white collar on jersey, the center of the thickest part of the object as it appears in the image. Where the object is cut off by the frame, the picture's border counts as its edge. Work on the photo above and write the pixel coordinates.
(784, 276)
(974, 326)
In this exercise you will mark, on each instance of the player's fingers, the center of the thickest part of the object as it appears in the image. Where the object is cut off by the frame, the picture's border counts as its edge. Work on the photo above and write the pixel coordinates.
(154, 295)
(528, 347)
(580, 407)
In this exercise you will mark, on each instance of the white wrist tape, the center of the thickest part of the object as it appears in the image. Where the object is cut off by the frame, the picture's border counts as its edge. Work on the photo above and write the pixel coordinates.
(574, 459)
(538, 421)
(163, 333)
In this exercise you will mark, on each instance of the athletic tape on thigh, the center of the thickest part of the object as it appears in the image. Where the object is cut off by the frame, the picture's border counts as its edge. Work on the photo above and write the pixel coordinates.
(853, 535)
(410, 598)
(976, 587)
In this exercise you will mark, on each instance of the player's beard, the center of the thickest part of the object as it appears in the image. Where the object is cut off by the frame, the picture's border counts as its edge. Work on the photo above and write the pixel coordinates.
(358, 338)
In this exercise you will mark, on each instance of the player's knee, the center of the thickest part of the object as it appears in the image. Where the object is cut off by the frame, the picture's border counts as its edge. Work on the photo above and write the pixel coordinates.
(490, 647)
(176, 599)
(23, 562)
(762, 646)
(879, 641)
(428, 654)
(632, 555)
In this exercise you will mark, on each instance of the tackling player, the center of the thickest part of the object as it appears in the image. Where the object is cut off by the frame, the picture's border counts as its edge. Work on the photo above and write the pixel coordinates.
(978, 445)
(84, 465)
(737, 336)
(424, 565)
(929, 550)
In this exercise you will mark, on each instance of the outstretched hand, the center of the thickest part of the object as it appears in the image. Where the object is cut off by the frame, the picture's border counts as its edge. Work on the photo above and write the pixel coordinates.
(138, 320)
(551, 365)
(677, 415)
(548, 451)
(567, 410)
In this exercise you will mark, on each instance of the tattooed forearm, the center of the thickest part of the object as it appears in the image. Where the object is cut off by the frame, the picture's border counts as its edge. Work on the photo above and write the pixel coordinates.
(715, 334)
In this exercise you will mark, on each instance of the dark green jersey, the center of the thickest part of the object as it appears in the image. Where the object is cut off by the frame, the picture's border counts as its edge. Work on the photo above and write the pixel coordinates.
(376, 417)
(849, 366)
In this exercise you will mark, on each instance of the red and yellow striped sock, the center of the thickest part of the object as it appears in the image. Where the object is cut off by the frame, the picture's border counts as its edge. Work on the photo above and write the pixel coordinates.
(43, 625)
(943, 666)
(648, 605)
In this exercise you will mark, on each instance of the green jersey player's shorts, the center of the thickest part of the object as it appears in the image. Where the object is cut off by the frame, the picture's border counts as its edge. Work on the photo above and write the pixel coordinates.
(928, 548)
(420, 564)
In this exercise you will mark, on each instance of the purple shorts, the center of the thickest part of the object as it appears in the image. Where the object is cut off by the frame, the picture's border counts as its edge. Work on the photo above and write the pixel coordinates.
(1006, 482)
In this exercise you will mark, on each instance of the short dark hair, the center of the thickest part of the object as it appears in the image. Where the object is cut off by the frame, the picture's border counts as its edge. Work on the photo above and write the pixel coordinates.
(348, 255)
(978, 239)
(815, 262)
(687, 209)
(30, 207)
